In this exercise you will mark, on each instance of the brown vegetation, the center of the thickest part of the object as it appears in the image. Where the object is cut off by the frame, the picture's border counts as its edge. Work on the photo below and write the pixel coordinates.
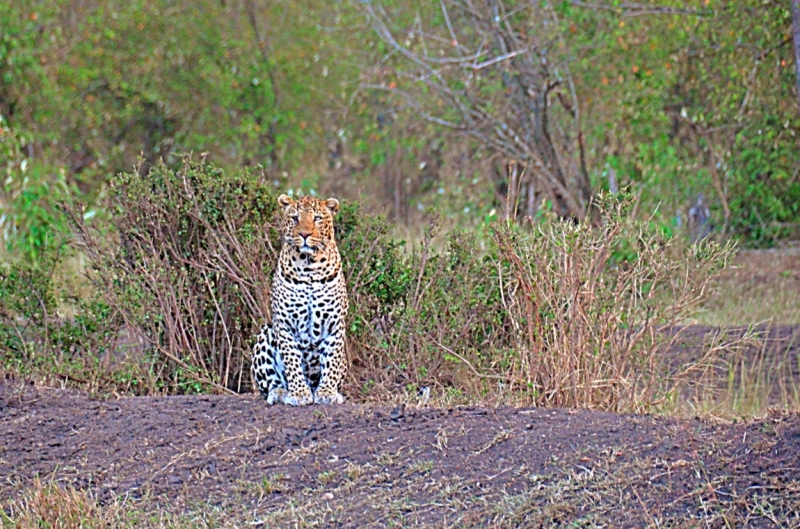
(560, 313)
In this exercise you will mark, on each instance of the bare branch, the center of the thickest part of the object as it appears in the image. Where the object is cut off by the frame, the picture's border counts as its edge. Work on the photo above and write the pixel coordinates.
(636, 10)
(415, 105)
(450, 27)
(513, 120)
(491, 62)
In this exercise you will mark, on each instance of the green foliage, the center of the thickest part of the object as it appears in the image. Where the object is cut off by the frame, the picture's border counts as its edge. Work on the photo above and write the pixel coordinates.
(765, 196)
(419, 311)
(37, 340)
(28, 292)
(31, 220)
(20, 67)
(373, 260)
(99, 84)
(700, 102)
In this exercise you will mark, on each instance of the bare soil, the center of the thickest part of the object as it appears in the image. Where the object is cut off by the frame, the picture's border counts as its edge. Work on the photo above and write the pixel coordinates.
(364, 466)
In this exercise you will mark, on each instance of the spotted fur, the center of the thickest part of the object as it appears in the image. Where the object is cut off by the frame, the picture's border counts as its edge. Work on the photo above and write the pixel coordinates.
(299, 358)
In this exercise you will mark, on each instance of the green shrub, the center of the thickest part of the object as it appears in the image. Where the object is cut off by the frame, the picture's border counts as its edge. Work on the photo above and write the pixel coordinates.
(418, 312)
(38, 340)
(27, 300)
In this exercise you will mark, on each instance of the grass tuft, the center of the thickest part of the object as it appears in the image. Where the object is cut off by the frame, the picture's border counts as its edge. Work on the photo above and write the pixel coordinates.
(56, 507)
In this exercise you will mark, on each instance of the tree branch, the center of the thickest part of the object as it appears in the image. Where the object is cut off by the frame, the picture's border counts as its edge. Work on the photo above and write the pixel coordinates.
(514, 121)
(796, 37)
(637, 10)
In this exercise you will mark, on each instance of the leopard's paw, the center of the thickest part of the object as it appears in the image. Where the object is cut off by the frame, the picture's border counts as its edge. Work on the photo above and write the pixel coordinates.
(298, 400)
(277, 395)
(335, 398)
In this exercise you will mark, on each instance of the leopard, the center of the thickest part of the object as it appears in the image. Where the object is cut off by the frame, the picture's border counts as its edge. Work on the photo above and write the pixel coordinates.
(299, 357)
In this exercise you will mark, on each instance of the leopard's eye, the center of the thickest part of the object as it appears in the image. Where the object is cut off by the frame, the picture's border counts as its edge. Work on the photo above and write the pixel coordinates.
(295, 218)
(317, 218)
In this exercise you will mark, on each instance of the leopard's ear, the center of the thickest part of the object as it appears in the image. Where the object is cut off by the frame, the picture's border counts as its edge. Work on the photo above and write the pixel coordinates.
(285, 201)
(333, 205)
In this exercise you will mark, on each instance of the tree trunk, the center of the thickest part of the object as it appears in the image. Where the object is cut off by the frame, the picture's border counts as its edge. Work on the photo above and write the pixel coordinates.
(796, 35)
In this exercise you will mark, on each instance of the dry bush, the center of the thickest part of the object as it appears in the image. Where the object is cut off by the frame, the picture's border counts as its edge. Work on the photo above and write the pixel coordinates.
(589, 319)
(565, 314)
(185, 259)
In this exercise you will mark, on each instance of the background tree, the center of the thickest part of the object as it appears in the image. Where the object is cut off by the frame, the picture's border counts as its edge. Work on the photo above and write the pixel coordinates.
(796, 36)
(674, 98)
(498, 72)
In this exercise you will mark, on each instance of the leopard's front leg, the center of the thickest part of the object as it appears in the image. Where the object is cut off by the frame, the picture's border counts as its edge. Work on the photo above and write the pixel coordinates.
(299, 393)
(333, 364)
(267, 370)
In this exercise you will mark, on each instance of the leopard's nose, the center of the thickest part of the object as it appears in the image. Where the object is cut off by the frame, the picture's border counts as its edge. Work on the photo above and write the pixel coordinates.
(304, 234)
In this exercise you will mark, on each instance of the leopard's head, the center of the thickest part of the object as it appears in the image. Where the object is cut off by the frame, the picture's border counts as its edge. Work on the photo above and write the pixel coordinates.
(308, 222)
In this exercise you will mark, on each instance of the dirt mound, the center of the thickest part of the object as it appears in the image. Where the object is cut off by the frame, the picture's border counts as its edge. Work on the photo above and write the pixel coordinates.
(355, 466)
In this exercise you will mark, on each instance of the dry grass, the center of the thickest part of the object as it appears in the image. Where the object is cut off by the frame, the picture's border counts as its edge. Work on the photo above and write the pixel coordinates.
(589, 322)
(589, 497)
(748, 382)
(761, 286)
(609, 491)
(606, 492)
(50, 505)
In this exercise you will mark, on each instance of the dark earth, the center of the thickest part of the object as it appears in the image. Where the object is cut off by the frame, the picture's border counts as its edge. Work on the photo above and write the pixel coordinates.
(356, 465)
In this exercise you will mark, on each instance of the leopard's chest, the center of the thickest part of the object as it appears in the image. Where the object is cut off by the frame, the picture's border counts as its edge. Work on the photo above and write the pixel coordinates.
(309, 311)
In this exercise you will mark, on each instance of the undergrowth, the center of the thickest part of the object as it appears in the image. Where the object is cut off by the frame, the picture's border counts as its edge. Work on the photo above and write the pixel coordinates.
(558, 313)
(37, 341)
(562, 314)
(184, 259)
